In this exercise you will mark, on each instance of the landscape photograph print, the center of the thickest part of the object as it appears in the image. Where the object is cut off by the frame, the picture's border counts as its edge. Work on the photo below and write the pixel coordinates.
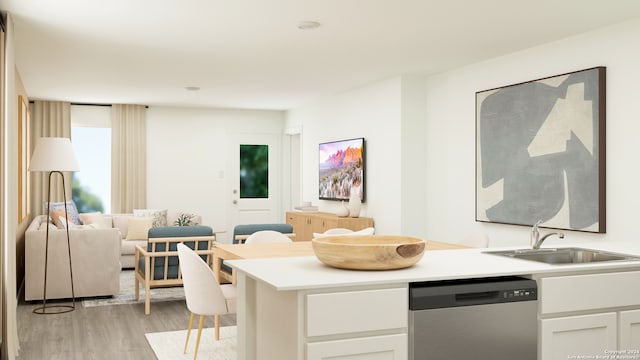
(341, 169)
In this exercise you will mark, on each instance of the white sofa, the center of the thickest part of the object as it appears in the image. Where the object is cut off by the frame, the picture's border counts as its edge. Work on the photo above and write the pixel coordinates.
(95, 255)
(98, 255)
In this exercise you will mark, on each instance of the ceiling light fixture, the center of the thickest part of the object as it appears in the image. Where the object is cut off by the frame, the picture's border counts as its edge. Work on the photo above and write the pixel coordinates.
(308, 25)
(192, 88)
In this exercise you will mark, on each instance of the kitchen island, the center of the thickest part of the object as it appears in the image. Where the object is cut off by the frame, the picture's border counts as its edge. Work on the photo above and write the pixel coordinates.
(299, 308)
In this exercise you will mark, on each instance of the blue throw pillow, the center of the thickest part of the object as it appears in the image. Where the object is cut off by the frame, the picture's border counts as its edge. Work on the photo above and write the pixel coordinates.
(72, 210)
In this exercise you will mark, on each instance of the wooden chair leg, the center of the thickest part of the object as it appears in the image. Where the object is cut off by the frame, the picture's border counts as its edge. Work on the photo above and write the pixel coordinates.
(147, 285)
(188, 332)
(147, 300)
(200, 325)
(137, 287)
(216, 319)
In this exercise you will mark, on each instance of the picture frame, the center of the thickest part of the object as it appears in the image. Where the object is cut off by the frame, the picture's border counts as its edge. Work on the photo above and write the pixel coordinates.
(23, 159)
(341, 166)
(540, 152)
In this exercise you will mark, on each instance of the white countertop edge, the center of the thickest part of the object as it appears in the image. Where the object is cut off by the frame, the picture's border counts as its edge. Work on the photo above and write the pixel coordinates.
(306, 273)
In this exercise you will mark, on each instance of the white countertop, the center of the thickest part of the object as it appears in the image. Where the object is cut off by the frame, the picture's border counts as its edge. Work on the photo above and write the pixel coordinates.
(300, 273)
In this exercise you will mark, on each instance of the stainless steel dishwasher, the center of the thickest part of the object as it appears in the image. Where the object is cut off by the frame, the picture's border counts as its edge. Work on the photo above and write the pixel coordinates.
(491, 318)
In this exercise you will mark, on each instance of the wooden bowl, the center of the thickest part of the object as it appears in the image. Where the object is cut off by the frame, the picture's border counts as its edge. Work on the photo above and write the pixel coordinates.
(368, 252)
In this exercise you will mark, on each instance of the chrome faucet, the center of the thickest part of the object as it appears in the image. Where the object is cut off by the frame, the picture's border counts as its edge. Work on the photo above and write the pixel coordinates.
(536, 241)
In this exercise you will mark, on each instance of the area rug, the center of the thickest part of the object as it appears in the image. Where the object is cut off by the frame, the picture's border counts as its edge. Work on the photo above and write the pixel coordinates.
(170, 345)
(126, 295)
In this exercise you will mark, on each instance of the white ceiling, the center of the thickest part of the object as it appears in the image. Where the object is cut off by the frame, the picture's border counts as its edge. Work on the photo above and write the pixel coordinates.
(250, 53)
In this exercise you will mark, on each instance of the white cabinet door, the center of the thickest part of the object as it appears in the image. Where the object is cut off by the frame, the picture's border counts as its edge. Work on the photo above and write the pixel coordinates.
(388, 347)
(629, 330)
(586, 335)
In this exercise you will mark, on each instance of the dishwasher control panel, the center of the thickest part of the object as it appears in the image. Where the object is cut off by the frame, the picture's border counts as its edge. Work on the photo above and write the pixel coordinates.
(466, 292)
(524, 294)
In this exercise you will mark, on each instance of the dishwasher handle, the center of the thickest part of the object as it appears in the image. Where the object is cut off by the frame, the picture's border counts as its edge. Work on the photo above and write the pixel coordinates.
(477, 298)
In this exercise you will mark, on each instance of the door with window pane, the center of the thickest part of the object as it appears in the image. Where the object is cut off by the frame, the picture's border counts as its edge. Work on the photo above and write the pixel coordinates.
(255, 179)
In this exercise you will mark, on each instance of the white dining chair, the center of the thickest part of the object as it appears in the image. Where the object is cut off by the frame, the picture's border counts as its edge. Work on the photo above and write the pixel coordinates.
(346, 232)
(337, 231)
(204, 295)
(267, 236)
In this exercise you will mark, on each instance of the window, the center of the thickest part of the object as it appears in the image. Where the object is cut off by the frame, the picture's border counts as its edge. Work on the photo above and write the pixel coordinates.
(254, 171)
(91, 138)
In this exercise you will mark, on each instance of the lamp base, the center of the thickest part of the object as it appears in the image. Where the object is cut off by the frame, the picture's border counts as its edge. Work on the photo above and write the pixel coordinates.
(54, 309)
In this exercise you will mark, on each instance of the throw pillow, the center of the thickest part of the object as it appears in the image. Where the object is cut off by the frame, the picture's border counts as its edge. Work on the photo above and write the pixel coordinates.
(58, 219)
(43, 226)
(62, 223)
(121, 222)
(138, 228)
(72, 210)
(86, 226)
(159, 216)
(95, 218)
(186, 219)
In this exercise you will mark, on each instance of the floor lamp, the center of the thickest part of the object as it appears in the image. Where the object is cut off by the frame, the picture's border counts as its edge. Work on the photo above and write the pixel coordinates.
(54, 155)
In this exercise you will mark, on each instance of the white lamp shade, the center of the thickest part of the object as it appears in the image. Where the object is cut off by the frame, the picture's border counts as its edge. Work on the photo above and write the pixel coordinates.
(53, 154)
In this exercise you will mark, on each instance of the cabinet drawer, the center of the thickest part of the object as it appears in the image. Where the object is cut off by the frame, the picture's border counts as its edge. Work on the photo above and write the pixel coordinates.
(333, 313)
(589, 292)
(379, 347)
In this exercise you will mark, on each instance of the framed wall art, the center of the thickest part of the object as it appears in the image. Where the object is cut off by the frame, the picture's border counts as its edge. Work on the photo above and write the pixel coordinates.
(23, 158)
(540, 152)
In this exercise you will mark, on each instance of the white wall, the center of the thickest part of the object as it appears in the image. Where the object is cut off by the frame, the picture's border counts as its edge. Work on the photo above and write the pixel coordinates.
(372, 112)
(412, 156)
(450, 134)
(388, 115)
(187, 157)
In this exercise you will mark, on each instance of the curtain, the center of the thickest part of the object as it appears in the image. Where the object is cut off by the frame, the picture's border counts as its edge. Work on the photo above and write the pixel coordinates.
(128, 158)
(49, 119)
(8, 196)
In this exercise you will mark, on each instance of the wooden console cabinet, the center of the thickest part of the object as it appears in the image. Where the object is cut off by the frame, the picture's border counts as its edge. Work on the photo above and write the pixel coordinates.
(305, 224)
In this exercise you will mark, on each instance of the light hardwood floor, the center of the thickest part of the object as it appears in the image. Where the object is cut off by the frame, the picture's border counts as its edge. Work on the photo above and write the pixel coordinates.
(104, 332)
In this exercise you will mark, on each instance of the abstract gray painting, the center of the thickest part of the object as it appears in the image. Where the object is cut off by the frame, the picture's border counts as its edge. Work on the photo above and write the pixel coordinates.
(540, 152)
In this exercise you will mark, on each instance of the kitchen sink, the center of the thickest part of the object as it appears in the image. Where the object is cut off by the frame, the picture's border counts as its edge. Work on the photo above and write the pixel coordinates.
(560, 256)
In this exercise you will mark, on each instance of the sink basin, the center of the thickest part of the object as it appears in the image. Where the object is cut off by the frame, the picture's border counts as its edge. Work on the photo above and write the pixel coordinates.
(560, 256)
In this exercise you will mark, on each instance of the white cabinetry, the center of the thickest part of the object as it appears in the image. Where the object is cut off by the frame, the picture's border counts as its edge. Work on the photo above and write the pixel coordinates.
(599, 322)
(335, 312)
(366, 322)
(388, 347)
(629, 330)
(585, 335)
(356, 315)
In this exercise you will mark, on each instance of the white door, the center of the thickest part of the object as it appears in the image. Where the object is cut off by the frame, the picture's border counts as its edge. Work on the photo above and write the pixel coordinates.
(255, 179)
